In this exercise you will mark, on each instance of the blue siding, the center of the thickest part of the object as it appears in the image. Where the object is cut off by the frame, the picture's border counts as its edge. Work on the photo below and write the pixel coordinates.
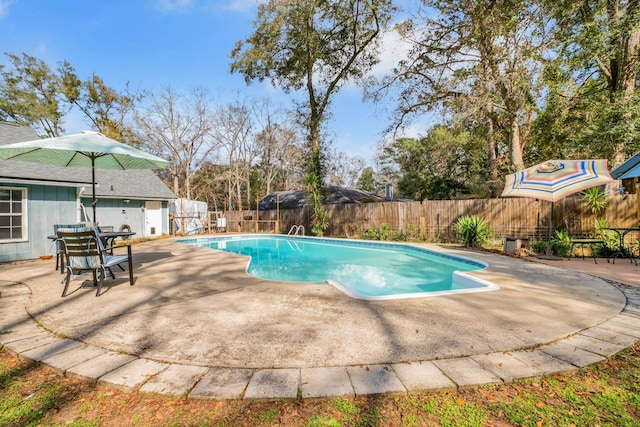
(49, 205)
(46, 206)
(115, 213)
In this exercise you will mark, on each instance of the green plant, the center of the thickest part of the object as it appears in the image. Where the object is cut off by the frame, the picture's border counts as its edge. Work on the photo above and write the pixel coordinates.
(473, 230)
(539, 246)
(315, 194)
(345, 406)
(270, 414)
(381, 233)
(595, 200)
(611, 239)
(561, 243)
(323, 421)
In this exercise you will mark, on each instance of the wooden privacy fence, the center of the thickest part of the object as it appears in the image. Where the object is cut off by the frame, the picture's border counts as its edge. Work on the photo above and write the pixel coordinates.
(435, 219)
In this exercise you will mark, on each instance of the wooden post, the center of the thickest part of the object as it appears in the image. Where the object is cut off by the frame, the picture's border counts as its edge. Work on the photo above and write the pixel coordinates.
(637, 199)
(257, 215)
(277, 227)
(423, 227)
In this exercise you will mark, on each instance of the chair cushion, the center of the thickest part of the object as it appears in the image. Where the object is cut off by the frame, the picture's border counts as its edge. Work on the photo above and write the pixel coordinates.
(84, 263)
(111, 260)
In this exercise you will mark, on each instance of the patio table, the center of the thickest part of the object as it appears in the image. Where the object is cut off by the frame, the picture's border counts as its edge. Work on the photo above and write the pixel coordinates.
(622, 233)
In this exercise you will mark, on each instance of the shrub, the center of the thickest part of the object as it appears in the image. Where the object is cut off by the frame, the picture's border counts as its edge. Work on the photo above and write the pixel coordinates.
(473, 230)
(595, 200)
(539, 246)
(611, 239)
(381, 233)
(561, 244)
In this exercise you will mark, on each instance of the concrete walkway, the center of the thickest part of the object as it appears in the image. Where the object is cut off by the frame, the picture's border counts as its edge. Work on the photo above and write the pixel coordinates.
(195, 324)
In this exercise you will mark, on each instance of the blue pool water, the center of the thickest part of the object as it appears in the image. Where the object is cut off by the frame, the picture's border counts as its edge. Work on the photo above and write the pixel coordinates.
(365, 270)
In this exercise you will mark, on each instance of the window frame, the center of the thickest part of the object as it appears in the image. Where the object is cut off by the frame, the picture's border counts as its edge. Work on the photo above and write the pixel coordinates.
(24, 223)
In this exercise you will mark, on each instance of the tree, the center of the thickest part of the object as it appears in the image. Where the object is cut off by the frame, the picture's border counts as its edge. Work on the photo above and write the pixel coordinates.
(478, 61)
(367, 181)
(110, 112)
(31, 94)
(209, 185)
(279, 154)
(344, 169)
(317, 45)
(178, 127)
(595, 76)
(448, 163)
(233, 132)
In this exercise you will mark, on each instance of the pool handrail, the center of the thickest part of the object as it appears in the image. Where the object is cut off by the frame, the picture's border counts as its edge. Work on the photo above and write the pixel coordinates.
(295, 230)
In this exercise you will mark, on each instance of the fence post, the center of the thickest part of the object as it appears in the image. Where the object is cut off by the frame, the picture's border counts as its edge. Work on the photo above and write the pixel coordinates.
(277, 227)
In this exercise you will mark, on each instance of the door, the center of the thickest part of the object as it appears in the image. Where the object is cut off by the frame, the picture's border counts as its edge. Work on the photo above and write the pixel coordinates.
(153, 218)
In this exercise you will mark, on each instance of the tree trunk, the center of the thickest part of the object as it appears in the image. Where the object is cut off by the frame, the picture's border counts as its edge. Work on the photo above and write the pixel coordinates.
(238, 191)
(187, 184)
(491, 154)
(625, 66)
(515, 145)
(176, 183)
(248, 182)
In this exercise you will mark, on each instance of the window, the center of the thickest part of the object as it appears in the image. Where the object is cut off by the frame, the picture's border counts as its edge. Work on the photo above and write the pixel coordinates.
(13, 214)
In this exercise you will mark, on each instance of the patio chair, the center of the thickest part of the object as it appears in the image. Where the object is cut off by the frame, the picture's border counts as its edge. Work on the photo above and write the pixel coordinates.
(108, 242)
(83, 251)
(580, 238)
(59, 244)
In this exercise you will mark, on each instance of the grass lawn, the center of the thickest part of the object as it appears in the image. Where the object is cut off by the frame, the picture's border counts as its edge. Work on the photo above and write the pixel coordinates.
(605, 394)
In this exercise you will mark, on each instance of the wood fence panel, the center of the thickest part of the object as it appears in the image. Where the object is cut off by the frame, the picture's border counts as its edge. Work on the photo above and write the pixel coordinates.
(520, 217)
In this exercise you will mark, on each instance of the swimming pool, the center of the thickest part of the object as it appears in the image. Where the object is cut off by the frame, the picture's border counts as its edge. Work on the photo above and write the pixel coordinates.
(360, 269)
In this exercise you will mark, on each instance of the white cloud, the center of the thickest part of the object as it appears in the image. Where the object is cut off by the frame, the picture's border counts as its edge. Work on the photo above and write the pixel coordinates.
(242, 5)
(173, 5)
(4, 7)
(392, 50)
(415, 130)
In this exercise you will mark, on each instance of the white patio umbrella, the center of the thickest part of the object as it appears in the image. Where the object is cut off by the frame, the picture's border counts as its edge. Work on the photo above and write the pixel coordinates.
(86, 149)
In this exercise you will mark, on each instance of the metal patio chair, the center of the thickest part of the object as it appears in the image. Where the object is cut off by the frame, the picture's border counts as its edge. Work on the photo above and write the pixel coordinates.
(580, 238)
(83, 251)
(56, 227)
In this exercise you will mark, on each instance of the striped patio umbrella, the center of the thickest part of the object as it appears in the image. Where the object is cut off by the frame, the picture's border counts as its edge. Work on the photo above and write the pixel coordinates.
(86, 149)
(554, 180)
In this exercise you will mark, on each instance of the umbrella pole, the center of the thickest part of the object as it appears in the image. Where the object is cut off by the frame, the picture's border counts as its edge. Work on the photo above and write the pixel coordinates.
(93, 194)
(550, 230)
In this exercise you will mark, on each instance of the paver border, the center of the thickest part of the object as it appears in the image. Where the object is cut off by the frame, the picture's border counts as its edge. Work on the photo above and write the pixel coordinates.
(74, 358)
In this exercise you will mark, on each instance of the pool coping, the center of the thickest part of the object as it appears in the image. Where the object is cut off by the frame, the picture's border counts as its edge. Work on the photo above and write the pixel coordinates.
(31, 341)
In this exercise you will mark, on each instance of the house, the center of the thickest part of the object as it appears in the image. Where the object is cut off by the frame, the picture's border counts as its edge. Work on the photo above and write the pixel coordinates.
(34, 197)
(296, 199)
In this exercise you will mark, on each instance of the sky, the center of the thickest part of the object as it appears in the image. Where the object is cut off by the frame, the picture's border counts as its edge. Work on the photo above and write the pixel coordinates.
(182, 44)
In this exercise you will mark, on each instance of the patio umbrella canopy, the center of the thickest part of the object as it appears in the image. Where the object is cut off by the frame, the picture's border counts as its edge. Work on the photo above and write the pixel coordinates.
(554, 180)
(86, 149)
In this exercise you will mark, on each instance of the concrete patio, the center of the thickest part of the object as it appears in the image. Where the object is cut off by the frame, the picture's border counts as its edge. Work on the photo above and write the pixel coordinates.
(195, 324)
